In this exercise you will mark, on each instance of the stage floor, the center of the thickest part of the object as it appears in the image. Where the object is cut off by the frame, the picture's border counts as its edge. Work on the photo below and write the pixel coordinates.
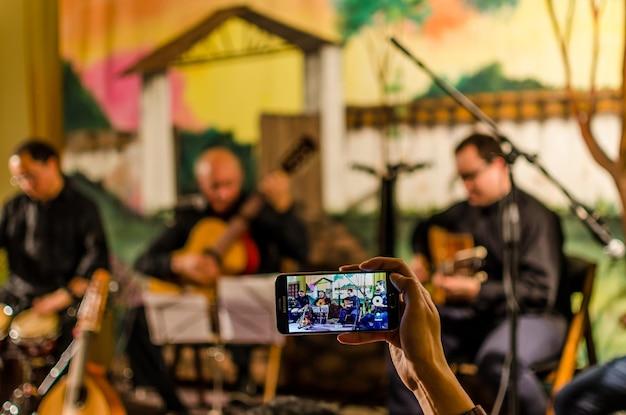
(147, 402)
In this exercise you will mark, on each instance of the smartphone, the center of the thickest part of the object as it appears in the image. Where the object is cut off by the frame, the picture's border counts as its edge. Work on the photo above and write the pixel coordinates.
(335, 302)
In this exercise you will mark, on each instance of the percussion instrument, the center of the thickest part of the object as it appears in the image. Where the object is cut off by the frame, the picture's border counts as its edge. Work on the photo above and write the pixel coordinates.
(378, 301)
(6, 315)
(34, 333)
(12, 374)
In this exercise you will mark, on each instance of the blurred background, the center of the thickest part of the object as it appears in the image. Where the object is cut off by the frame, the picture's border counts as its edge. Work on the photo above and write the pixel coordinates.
(133, 90)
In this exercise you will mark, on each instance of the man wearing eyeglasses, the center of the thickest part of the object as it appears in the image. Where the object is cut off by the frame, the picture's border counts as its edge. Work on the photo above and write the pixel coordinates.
(473, 319)
(52, 234)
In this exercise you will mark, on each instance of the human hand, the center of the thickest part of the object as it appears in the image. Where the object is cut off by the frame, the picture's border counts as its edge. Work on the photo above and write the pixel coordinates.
(53, 302)
(419, 266)
(78, 286)
(415, 347)
(457, 287)
(275, 188)
(199, 269)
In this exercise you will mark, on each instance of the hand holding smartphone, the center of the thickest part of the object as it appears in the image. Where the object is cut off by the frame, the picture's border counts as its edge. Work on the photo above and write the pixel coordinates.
(336, 302)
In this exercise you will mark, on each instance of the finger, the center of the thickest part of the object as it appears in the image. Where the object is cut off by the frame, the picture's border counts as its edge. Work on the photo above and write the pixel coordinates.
(362, 338)
(428, 299)
(351, 267)
(386, 264)
(407, 285)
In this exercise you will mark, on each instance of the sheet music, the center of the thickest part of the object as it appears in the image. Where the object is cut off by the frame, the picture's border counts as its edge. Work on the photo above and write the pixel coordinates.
(176, 318)
(247, 310)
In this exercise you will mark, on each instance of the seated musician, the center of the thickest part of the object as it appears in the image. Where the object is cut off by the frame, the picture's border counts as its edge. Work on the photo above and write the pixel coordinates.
(473, 320)
(53, 237)
(322, 299)
(301, 302)
(276, 232)
(351, 307)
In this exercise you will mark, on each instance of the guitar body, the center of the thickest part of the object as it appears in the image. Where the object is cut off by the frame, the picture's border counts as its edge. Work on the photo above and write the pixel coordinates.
(84, 390)
(444, 248)
(203, 238)
(101, 399)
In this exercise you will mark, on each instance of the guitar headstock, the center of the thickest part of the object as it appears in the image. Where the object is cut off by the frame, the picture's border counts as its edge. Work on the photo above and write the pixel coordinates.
(296, 156)
(93, 305)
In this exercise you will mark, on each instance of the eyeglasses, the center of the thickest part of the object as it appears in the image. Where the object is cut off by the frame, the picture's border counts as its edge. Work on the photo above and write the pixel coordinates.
(473, 175)
(21, 179)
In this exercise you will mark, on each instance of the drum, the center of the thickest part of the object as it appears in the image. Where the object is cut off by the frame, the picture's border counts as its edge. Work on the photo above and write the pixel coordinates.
(378, 301)
(6, 314)
(12, 375)
(34, 333)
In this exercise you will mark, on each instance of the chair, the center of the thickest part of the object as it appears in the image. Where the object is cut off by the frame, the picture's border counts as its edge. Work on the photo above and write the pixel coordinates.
(578, 278)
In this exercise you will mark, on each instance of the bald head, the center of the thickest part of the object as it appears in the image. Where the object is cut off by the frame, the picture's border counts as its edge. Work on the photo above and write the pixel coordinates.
(220, 177)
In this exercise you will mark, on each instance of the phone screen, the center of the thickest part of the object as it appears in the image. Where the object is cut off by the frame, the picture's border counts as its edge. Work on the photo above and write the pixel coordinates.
(335, 302)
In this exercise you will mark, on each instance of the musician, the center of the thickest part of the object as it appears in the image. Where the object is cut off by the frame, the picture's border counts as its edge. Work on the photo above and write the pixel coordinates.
(598, 390)
(276, 232)
(322, 299)
(300, 303)
(302, 300)
(52, 234)
(474, 323)
(352, 309)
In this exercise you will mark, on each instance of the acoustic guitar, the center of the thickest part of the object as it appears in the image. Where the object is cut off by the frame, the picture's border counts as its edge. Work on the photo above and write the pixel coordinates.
(85, 390)
(454, 254)
(215, 237)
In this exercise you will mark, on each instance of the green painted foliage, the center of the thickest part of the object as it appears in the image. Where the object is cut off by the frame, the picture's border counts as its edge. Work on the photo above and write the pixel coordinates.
(487, 79)
(488, 5)
(356, 14)
(80, 109)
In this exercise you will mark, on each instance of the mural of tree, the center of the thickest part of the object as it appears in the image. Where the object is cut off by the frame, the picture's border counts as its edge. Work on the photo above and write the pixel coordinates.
(377, 20)
(583, 102)
(380, 19)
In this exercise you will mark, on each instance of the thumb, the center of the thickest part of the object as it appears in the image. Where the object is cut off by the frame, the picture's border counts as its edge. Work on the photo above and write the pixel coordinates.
(404, 284)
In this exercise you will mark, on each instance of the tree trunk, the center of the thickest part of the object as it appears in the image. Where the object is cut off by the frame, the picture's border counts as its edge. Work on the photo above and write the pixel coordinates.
(620, 182)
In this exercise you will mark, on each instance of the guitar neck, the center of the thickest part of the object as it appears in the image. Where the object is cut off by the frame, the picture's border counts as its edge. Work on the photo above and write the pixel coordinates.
(252, 206)
(239, 224)
(76, 375)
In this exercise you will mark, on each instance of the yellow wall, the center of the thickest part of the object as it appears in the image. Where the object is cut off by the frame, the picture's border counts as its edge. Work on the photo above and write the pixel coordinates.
(30, 101)
(14, 119)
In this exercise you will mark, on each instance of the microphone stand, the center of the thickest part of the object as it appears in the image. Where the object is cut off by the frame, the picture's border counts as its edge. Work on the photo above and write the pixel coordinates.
(387, 219)
(510, 216)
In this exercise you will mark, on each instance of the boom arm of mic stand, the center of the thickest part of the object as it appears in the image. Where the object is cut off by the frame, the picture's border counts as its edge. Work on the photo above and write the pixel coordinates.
(614, 247)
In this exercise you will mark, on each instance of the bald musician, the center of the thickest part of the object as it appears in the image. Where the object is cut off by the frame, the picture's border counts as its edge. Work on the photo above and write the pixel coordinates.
(275, 233)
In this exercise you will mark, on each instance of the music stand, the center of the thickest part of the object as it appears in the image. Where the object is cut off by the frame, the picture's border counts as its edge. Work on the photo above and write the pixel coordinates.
(247, 315)
(247, 310)
(178, 319)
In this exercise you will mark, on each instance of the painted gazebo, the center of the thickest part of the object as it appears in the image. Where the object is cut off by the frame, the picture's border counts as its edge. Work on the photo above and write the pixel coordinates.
(322, 92)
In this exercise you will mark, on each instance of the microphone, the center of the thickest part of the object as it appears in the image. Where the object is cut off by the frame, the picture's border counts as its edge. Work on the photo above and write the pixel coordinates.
(612, 246)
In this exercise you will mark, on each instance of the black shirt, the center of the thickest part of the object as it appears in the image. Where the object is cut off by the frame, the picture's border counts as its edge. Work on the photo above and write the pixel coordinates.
(276, 235)
(541, 256)
(49, 243)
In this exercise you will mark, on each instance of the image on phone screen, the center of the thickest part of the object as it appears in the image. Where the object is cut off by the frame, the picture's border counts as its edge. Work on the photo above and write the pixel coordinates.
(337, 302)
